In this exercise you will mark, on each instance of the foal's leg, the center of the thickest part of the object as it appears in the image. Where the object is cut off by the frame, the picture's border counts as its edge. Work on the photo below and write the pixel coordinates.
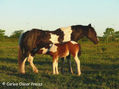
(69, 64)
(55, 65)
(78, 64)
(30, 60)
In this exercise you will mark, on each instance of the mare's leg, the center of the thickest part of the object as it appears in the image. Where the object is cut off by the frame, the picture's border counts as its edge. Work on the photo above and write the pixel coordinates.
(78, 64)
(69, 64)
(62, 67)
(30, 60)
(22, 66)
(22, 57)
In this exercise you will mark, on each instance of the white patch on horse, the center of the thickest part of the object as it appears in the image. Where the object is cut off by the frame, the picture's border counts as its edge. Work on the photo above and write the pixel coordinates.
(54, 38)
(67, 33)
(45, 50)
(53, 48)
(73, 42)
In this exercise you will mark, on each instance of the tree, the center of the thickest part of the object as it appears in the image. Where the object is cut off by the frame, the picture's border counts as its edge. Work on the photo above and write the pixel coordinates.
(2, 33)
(16, 34)
(109, 33)
(116, 34)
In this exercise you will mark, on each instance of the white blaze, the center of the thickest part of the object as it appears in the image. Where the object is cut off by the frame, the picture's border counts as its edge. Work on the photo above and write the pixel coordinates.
(67, 33)
(54, 38)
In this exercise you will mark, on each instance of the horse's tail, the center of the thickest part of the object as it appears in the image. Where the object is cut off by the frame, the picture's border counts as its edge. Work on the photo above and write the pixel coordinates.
(79, 52)
(20, 54)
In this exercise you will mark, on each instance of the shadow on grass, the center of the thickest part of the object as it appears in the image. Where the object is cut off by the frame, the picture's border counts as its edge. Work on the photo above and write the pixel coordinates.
(8, 60)
(42, 62)
(8, 69)
(36, 61)
(101, 68)
(106, 69)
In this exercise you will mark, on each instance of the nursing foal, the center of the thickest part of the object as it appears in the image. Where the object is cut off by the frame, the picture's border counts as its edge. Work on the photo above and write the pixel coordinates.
(60, 50)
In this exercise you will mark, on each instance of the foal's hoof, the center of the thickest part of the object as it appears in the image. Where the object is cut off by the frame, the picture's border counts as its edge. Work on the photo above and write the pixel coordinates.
(71, 72)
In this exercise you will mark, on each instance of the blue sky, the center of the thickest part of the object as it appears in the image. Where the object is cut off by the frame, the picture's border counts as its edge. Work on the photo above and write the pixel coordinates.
(52, 14)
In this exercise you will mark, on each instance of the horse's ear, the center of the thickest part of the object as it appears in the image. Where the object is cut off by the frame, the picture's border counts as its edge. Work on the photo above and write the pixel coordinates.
(89, 25)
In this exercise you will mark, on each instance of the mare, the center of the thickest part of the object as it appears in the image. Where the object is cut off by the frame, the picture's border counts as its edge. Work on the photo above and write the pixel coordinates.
(31, 41)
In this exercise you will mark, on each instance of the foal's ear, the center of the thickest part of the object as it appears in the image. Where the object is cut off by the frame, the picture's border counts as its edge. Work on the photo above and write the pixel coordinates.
(89, 25)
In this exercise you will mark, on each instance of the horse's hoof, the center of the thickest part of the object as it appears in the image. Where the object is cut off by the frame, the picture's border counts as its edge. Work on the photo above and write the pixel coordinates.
(57, 74)
(54, 73)
(36, 71)
(79, 74)
(23, 72)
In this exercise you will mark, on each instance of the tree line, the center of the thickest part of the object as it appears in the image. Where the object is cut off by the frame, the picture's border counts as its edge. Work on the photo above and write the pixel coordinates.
(109, 35)
(15, 34)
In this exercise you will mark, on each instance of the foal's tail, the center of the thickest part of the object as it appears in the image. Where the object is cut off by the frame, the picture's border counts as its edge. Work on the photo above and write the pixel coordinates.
(79, 52)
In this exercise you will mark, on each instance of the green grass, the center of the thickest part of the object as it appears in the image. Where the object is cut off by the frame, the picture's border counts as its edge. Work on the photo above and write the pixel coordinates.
(99, 66)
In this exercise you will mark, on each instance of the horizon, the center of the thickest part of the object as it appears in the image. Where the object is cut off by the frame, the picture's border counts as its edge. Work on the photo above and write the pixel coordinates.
(50, 15)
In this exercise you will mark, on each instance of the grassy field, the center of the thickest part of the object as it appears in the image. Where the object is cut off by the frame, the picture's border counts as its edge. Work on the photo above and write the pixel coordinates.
(99, 66)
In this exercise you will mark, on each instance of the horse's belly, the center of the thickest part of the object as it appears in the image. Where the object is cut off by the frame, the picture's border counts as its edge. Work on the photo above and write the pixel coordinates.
(63, 52)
